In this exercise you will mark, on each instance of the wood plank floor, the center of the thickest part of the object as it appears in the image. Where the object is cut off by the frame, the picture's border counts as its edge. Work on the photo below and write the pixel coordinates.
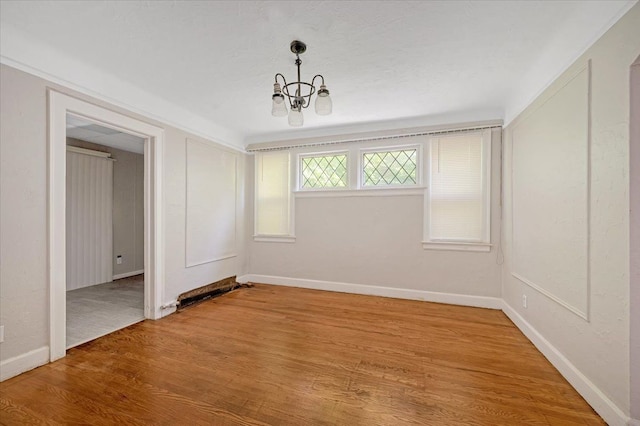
(278, 355)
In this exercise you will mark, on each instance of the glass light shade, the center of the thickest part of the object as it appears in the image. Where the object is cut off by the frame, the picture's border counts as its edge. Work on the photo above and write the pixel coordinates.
(295, 118)
(278, 106)
(323, 104)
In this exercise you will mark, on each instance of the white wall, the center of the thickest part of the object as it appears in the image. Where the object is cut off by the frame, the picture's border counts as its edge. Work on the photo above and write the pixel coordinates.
(598, 348)
(634, 191)
(376, 241)
(24, 300)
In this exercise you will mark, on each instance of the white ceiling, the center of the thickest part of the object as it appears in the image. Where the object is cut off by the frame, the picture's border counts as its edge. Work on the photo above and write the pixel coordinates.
(209, 66)
(85, 130)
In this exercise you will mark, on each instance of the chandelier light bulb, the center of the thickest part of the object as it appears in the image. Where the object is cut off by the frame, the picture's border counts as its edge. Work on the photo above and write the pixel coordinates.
(296, 119)
(278, 106)
(324, 105)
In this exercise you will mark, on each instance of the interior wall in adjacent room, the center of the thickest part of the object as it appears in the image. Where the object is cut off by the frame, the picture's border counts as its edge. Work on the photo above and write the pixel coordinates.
(128, 206)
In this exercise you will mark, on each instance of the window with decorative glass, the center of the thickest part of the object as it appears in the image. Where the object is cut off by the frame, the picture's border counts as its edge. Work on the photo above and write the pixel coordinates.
(390, 167)
(323, 171)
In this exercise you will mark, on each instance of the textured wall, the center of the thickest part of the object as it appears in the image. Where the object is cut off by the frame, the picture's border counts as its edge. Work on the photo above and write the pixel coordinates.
(128, 206)
(377, 241)
(24, 292)
(635, 239)
(599, 348)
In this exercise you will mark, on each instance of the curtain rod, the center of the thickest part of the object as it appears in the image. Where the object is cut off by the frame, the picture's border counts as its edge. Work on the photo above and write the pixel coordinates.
(371, 139)
(91, 152)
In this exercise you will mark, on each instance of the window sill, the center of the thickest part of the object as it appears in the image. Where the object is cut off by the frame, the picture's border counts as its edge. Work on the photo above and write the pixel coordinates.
(456, 246)
(364, 192)
(274, 238)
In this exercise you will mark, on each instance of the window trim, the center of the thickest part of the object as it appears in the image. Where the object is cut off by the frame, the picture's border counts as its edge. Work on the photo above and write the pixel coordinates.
(299, 177)
(482, 245)
(389, 148)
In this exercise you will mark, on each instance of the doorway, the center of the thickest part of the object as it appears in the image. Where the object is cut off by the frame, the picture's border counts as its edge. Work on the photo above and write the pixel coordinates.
(62, 106)
(105, 230)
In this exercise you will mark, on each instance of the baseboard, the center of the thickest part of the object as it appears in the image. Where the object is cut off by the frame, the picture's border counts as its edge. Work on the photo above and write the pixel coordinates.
(371, 290)
(127, 274)
(19, 364)
(606, 408)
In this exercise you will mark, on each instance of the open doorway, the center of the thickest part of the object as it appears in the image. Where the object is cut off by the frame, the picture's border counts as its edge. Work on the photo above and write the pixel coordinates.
(104, 230)
(60, 107)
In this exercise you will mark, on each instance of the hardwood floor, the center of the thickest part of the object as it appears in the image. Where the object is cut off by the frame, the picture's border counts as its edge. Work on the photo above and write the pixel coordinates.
(278, 355)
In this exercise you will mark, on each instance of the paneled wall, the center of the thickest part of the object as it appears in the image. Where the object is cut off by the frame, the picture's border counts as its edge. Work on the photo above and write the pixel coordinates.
(89, 220)
(128, 208)
(566, 217)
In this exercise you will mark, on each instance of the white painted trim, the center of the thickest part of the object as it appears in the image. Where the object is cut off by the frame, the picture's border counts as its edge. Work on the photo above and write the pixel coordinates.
(454, 246)
(243, 279)
(127, 274)
(606, 408)
(19, 364)
(363, 192)
(59, 106)
(217, 259)
(372, 290)
(520, 119)
(551, 296)
(113, 91)
(513, 113)
(274, 238)
(367, 132)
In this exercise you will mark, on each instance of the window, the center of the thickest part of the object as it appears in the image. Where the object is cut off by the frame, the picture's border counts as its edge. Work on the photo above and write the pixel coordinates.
(323, 171)
(273, 195)
(390, 167)
(457, 203)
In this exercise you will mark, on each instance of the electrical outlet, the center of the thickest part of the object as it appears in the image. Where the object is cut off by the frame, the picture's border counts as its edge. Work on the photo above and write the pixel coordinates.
(119, 260)
(524, 300)
(1, 333)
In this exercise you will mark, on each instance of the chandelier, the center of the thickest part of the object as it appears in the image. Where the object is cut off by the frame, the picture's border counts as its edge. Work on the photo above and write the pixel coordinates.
(299, 93)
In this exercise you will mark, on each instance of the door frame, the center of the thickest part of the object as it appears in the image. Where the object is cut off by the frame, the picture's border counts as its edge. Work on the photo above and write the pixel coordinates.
(59, 106)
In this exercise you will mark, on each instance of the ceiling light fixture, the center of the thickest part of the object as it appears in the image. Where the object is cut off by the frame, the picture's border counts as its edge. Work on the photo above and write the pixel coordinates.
(301, 97)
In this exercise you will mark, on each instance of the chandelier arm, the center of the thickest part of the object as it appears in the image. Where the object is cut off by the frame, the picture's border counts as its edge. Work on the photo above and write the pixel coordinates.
(314, 79)
(284, 86)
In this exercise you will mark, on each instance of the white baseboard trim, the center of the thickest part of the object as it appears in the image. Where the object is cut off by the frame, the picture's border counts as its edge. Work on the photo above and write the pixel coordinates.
(606, 408)
(371, 290)
(19, 364)
(127, 274)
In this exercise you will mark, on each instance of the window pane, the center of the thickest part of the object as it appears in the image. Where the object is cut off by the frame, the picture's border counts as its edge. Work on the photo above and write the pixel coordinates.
(327, 171)
(457, 189)
(390, 168)
(272, 193)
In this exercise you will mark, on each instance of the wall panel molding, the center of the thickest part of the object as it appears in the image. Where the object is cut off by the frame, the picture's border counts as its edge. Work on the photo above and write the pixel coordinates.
(211, 199)
(551, 170)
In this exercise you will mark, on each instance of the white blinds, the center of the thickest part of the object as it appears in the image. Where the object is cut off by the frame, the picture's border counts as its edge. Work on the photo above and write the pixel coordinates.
(89, 220)
(459, 188)
(273, 192)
